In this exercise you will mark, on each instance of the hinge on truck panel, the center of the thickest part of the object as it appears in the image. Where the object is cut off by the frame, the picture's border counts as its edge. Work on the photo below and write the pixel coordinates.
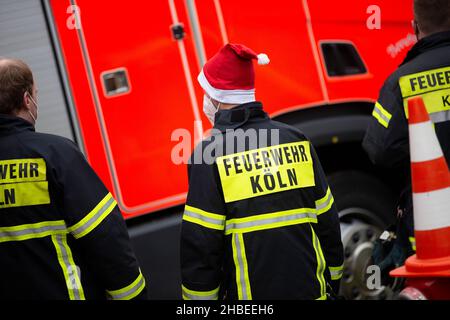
(177, 31)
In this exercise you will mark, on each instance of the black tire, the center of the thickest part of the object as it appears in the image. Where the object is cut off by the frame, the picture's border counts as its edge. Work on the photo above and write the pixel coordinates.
(357, 189)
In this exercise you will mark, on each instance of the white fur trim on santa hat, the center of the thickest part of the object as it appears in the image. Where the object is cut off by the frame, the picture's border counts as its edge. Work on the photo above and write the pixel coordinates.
(226, 96)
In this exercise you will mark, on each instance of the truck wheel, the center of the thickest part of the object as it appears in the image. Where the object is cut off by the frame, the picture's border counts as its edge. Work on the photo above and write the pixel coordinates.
(366, 208)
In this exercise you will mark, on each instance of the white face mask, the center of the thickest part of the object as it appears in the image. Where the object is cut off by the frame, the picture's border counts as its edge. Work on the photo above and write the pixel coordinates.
(35, 104)
(209, 108)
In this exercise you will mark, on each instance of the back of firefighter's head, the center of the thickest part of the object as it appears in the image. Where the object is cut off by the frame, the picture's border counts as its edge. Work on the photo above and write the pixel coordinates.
(17, 90)
(431, 16)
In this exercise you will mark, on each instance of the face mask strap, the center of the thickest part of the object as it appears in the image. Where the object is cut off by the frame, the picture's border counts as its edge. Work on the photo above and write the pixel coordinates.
(29, 95)
(31, 114)
(210, 100)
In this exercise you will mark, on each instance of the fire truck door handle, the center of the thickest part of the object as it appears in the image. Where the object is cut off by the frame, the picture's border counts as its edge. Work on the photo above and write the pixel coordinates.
(177, 31)
(115, 82)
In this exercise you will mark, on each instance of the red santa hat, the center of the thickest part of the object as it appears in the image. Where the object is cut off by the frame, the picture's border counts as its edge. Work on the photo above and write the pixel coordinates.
(228, 76)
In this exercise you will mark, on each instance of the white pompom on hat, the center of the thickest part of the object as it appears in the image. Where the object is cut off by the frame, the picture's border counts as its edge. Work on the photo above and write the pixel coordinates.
(263, 59)
(229, 77)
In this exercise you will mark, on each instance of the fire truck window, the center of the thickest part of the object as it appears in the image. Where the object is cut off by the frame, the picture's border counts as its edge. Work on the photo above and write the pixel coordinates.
(342, 59)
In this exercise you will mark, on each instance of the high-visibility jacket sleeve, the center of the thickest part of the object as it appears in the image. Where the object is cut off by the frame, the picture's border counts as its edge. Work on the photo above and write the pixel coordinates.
(328, 227)
(202, 234)
(95, 221)
(386, 138)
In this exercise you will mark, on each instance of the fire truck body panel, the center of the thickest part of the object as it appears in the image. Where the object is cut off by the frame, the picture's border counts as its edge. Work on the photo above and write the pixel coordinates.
(133, 157)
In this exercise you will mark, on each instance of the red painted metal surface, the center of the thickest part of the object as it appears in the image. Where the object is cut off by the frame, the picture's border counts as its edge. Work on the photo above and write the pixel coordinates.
(81, 90)
(280, 31)
(128, 136)
(333, 21)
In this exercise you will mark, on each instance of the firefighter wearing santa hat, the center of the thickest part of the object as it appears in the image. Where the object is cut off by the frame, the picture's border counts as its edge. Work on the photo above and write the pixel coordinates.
(260, 220)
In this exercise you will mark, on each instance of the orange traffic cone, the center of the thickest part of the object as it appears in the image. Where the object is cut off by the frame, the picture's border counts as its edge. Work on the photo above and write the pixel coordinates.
(431, 199)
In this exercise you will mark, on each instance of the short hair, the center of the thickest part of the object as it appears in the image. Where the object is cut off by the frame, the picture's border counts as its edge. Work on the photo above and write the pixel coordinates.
(15, 79)
(432, 15)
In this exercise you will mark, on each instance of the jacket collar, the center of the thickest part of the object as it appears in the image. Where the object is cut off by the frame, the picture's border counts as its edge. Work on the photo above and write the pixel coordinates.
(239, 115)
(11, 124)
(436, 40)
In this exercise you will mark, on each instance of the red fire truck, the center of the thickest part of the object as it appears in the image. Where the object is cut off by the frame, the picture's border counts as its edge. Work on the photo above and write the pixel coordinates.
(118, 77)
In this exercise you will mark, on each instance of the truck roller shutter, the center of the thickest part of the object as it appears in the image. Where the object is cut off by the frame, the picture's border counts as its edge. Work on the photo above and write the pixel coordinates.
(24, 35)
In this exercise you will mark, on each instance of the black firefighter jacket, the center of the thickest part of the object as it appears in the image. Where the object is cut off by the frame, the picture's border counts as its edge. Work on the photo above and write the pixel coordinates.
(425, 72)
(62, 235)
(260, 220)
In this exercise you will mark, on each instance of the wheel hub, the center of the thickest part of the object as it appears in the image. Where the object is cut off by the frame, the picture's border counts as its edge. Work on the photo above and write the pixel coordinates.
(358, 240)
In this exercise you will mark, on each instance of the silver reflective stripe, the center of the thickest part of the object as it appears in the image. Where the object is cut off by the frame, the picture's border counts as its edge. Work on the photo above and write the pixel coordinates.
(320, 263)
(236, 226)
(93, 219)
(381, 115)
(130, 291)
(192, 296)
(441, 116)
(30, 231)
(242, 277)
(326, 203)
(70, 271)
(218, 222)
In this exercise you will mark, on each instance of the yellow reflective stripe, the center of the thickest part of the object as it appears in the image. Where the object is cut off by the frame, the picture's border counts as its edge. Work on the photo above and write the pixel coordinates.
(199, 295)
(240, 262)
(324, 199)
(324, 204)
(320, 262)
(73, 272)
(380, 119)
(381, 114)
(412, 240)
(93, 218)
(204, 218)
(204, 213)
(336, 268)
(130, 291)
(324, 297)
(271, 220)
(24, 194)
(70, 270)
(336, 272)
(32, 230)
(383, 111)
(281, 218)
